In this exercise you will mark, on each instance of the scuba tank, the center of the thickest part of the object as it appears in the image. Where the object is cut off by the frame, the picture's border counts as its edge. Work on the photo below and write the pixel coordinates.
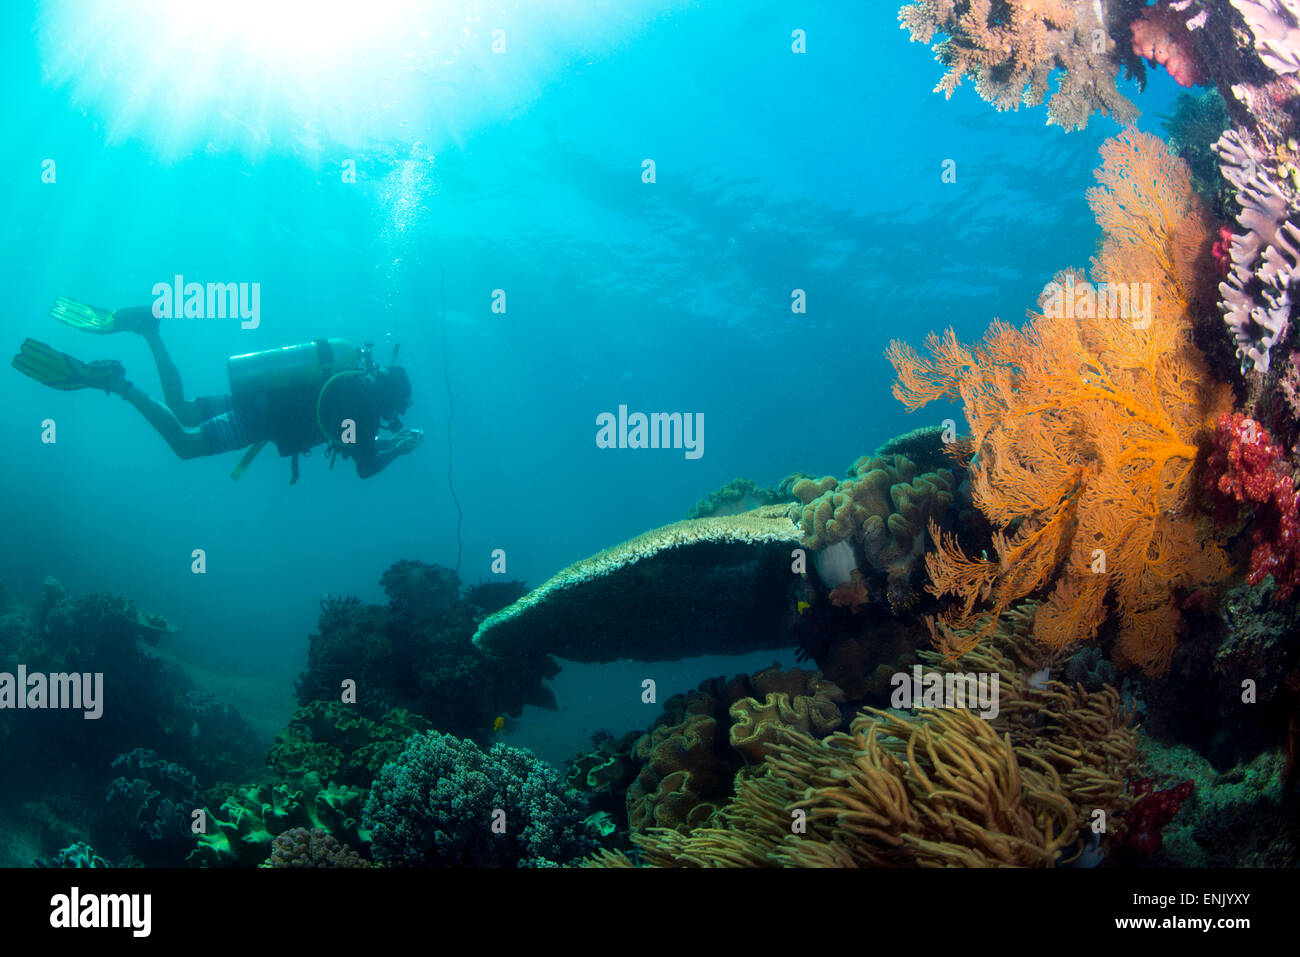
(306, 366)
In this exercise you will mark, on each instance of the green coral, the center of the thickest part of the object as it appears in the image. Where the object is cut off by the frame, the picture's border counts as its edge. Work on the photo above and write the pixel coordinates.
(336, 742)
(254, 815)
(1198, 120)
(1236, 818)
(605, 772)
(738, 496)
(924, 446)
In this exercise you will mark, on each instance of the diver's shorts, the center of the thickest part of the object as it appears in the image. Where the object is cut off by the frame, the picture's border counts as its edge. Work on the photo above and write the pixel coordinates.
(223, 429)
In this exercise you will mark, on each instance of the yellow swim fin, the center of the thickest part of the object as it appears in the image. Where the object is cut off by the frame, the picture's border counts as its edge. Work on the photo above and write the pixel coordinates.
(102, 322)
(58, 370)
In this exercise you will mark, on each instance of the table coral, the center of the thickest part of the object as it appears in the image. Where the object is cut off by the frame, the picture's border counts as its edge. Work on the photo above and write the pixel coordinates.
(700, 586)
(1085, 432)
(1011, 49)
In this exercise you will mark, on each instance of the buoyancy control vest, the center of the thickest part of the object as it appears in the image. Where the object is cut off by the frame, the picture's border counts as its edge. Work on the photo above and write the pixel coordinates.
(278, 391)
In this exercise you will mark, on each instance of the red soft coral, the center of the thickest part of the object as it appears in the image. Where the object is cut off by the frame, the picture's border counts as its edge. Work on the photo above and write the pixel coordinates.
(1161, 34)
(1144, 823)
(852, 595)
(1247, 468)
(1222, 252)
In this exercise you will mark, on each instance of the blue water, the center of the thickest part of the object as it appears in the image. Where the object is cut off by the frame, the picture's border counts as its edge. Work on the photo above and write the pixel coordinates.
(775, 171)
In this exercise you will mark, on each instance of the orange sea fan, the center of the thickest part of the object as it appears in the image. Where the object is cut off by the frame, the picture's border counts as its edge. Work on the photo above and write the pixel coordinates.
(1084, 428)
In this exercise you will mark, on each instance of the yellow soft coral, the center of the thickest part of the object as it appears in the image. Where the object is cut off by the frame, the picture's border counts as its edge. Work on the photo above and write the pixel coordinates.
(1084, 431)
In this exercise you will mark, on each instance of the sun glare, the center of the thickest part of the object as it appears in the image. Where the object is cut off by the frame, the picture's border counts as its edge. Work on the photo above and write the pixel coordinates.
(261, 74)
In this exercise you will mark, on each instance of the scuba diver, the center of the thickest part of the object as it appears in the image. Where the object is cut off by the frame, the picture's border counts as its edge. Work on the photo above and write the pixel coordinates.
(298, 397)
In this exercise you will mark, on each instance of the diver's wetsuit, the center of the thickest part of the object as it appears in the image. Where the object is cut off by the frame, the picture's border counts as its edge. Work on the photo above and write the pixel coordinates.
(224, 429)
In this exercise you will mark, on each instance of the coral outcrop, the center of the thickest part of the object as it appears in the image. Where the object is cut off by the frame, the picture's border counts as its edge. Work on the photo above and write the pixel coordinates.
(1238, 816)
(1085, 430)
(417, 655)
(151, 702)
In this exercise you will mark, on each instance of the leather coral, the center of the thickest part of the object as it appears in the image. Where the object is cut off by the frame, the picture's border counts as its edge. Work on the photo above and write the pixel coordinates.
(1085, 427)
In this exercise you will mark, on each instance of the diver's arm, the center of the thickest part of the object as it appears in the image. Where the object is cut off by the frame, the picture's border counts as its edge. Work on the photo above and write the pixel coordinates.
(382, 452)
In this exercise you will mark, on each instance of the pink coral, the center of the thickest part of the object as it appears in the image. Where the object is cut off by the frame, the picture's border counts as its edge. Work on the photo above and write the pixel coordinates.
(1161, 34)
(1221, 251)
(1246, 467)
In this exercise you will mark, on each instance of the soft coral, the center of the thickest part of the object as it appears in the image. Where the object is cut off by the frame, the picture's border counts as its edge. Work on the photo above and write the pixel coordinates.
(1247, 468)
(1141, 832)
(1161, 34)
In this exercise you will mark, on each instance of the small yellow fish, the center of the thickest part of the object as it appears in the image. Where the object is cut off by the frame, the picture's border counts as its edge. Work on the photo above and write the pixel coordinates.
(498, 724)
(803, 606)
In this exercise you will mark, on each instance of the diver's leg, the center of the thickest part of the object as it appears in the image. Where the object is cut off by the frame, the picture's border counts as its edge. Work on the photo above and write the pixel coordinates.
(187, 412)
(186, 443)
